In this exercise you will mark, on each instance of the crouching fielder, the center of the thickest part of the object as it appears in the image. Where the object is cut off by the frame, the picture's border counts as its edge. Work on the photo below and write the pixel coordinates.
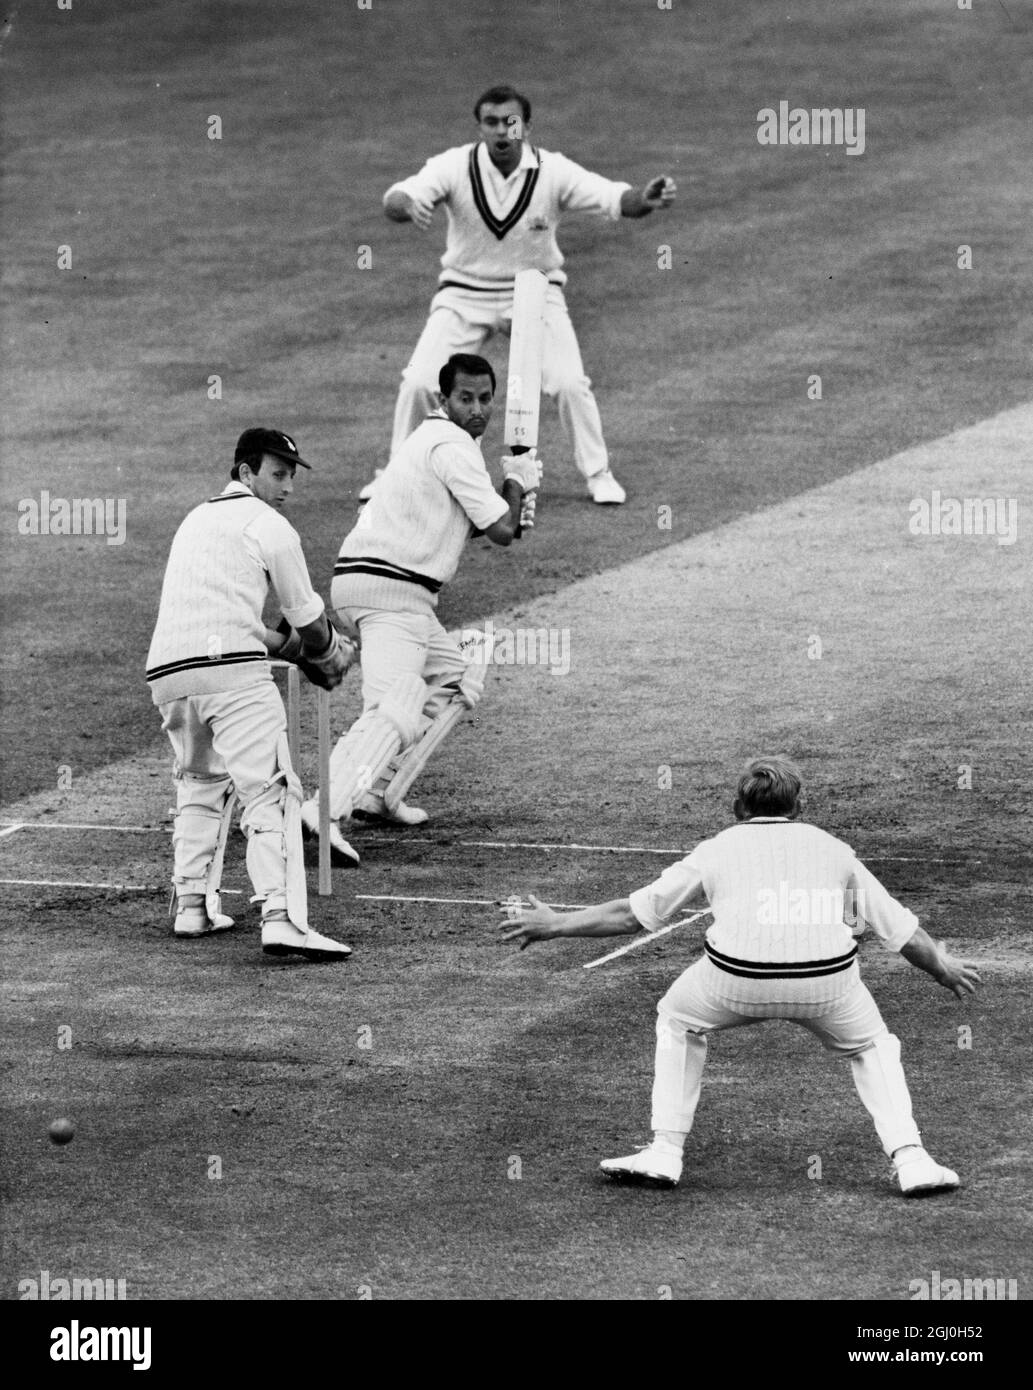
(208, 669)
(778, 948)
(417, 679)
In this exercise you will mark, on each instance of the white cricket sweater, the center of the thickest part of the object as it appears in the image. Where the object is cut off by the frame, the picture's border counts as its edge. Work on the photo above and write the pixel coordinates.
(209, 635)
(780, 892)
(432, 492)
(499, 224)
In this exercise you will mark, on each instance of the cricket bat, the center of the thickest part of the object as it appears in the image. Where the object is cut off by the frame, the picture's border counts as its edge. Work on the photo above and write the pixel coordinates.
(524, 379)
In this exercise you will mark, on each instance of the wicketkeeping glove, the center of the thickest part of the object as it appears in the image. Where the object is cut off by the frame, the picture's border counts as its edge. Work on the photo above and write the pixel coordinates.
(326, 668)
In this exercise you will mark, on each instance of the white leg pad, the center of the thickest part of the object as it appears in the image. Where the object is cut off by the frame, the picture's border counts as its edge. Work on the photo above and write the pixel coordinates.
(199, 831)
(477, 647)
(272, 823)
(362, 755)
(415, 760)
(212, 898)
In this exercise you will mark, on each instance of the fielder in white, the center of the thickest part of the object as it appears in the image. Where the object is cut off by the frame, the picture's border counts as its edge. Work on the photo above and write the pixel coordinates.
(503, 200)
(778, 948)
(417, 681)
(209, 673)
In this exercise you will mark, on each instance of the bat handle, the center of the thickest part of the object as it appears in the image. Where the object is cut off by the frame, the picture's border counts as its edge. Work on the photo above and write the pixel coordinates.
(518, 449)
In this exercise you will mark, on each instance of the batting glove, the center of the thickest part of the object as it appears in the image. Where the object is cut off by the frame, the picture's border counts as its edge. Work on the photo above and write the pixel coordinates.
(524, 469)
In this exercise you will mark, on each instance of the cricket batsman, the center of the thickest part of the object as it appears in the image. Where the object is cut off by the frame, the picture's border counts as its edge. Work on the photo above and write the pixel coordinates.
(778, 948)
(417, 681)
(209, 673)
(503, 200)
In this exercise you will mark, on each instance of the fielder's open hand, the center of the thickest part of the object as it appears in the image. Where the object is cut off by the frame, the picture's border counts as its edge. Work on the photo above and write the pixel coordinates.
(536, 921)
(959, 976)
(659, 192)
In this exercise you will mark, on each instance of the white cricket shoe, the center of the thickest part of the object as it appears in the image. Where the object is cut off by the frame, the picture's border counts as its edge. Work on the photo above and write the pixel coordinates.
(195, 921)
(341, 852)
(282, 938)
(605, 489)
(373, 805)
(920, 1175)
(661, 1167)
(367, 491)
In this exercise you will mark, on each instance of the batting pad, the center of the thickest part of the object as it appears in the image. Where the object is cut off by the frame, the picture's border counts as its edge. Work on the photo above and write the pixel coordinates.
(362, 756)
(477, 647)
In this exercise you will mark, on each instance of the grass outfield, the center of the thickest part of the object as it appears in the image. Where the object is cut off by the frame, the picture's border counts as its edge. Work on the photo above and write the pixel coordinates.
(394, 1167)
(194, 257)
(425, 1121)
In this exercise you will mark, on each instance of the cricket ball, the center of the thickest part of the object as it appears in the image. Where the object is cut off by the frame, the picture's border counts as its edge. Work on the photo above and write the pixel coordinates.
(62, 1132)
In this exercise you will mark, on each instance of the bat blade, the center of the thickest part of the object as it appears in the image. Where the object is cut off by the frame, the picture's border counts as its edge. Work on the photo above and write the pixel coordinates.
(526, 343)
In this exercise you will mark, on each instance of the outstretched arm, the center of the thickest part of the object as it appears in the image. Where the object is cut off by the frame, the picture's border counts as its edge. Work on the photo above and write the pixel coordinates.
(658, 193)
(541, 923)
(402, 207)
(959, 976)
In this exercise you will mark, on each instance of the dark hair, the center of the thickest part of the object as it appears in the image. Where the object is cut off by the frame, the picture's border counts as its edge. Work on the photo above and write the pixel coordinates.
(768, 787)
(253, 461)
(469, 365)
(496, 96)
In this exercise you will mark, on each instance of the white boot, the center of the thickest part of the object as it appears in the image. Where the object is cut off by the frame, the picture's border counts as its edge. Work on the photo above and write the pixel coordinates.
(658, 1164)
(280, 937)
(919, 1175)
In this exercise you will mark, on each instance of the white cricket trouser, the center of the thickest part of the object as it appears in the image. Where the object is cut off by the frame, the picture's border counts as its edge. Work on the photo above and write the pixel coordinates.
(850, 1026)
(463, 321)
(225, 742)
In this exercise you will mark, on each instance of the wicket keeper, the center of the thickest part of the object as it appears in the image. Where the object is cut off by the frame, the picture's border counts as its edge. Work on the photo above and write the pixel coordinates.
(209, 673)
(778, 948)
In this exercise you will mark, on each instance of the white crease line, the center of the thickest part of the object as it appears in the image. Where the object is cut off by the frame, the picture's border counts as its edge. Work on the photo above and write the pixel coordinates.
(73, 825)
(122, 887)
(10, 829)
(465, 902)
(644, 941)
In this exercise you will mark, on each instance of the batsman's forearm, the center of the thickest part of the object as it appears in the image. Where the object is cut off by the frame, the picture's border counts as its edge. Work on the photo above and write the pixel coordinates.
(604, 919)
(504, 531)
